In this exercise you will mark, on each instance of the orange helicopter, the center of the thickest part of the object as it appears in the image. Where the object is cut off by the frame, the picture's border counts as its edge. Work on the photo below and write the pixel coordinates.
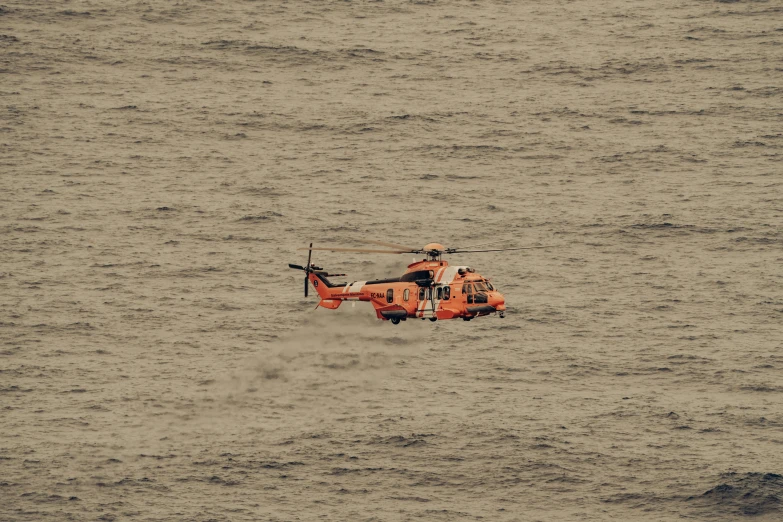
(430, 289)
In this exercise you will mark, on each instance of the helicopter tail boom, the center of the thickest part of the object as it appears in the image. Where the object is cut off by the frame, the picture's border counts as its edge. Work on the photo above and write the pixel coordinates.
(325, 288)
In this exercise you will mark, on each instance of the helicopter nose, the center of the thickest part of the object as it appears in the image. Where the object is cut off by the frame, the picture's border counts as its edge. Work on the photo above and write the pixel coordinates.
(497, 300)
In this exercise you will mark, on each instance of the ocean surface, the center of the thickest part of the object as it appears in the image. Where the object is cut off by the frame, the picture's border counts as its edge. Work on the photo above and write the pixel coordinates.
(161, 162)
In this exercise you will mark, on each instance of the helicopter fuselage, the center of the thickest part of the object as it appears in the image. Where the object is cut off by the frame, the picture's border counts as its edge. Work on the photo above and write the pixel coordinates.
(429, 289)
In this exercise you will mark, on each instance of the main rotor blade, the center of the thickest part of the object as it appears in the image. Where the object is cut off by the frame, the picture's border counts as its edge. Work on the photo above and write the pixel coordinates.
(479, 245)
(295, 267)
(501, 249)
(362, 250)
(381, 243)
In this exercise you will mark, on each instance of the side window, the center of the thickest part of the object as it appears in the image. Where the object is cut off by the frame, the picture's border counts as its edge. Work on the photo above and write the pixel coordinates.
(440, 293)
(447, 293)
(421, 294)
(406, 294)
(389, 295)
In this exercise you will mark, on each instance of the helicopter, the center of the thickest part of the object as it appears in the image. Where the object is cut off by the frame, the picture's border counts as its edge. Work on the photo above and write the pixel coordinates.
(429, 289)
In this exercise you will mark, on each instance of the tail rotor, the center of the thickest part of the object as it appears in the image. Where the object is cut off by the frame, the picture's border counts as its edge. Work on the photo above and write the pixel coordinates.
(308, 269)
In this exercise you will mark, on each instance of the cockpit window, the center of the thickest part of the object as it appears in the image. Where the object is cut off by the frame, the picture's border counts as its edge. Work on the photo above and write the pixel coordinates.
(489, 285)
(467, 288)
(480, 287)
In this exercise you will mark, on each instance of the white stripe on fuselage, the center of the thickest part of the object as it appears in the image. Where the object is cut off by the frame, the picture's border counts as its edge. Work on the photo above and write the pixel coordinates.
(356, 286)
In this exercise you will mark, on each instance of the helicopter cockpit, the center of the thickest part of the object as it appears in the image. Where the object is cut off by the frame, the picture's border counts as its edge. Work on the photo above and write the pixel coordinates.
(483, 286)
(477, 291)
(470, 287)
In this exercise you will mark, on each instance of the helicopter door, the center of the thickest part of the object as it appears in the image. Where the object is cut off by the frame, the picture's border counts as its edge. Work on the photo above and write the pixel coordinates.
(424, 304)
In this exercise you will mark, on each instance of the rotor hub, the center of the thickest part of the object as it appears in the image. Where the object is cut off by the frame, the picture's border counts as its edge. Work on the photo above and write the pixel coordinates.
(433, 251)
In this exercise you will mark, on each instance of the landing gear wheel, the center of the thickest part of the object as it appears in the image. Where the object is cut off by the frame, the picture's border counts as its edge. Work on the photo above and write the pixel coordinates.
(395, 320)
(502, 314)
(433, 319)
